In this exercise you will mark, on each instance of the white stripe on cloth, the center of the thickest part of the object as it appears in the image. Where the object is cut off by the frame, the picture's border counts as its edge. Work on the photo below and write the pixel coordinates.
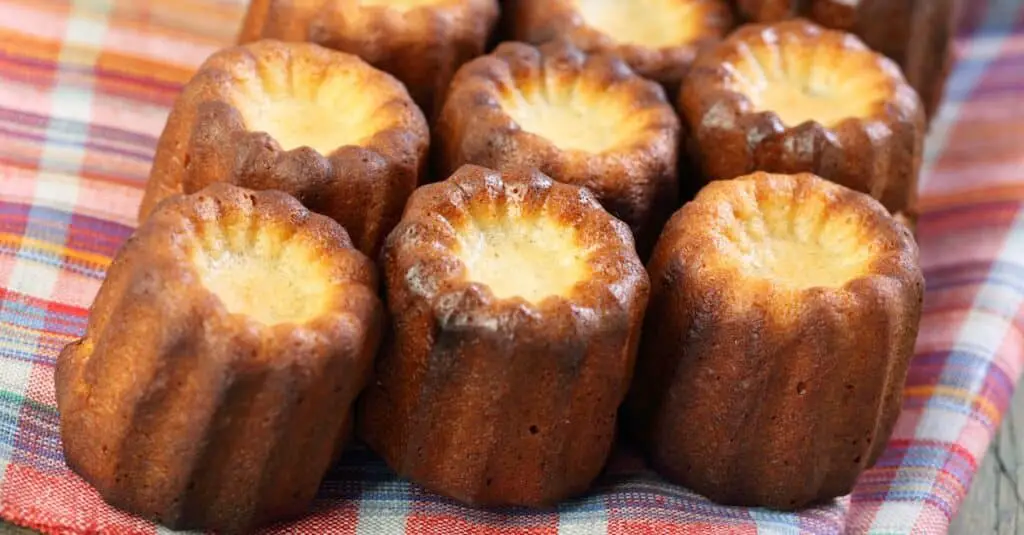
(30, 277)
(935, 424)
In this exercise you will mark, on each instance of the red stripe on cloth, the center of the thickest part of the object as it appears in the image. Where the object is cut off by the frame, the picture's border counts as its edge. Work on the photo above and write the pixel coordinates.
(80, 508)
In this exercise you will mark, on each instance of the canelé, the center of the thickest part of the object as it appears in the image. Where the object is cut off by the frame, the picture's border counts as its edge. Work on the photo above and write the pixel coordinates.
(341, 136)
(516, 304)
(215, 380)
(583, 119)
(783, 316)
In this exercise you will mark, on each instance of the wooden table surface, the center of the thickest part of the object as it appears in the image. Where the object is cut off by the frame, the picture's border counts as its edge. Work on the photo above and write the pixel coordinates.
(995, 504)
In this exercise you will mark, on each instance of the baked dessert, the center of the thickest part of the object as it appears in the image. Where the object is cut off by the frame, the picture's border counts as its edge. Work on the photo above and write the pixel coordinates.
(769, 10)
(793, 97)
(783, 315)
(193, 399)
(917, 34)
(323, 126)
(582, 119)
(421, 42)
(658, 38)
(516, 304)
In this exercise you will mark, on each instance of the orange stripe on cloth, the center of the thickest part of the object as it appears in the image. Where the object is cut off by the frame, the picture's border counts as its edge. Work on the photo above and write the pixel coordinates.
(1002, 192)
(197, 21)
(980, 403)
(141, 72)
(30, 55)
(17, 240)
(13, 43)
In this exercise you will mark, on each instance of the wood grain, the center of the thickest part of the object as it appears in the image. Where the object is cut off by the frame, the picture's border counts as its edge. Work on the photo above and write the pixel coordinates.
(994, 504)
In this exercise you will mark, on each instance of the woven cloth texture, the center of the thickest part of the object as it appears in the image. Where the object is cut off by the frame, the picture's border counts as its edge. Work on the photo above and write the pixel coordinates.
(85, 87)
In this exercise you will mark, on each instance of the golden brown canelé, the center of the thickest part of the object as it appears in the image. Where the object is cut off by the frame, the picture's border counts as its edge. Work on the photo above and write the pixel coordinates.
(917, 34)
(193, 399)
(516, 304)
(658, 38)
(768, 10)
(793, 97)
(421, 42)
(581, 119)
(342, 137)
(783, 315)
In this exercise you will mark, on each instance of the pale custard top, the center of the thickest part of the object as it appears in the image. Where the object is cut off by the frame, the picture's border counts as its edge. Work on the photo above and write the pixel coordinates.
(532, 257)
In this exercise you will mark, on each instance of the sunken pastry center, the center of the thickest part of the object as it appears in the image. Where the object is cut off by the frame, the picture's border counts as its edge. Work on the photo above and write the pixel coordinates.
(802, 247)
(801, 84)
(532, 257)
(796, 103)
(583, 120)
(650, 23)
(264, 275)
(321, 109)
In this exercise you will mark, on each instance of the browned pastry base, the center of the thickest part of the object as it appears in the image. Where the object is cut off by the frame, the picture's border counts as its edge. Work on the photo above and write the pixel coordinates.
(516, 305)
(214, 384)
(783, 316)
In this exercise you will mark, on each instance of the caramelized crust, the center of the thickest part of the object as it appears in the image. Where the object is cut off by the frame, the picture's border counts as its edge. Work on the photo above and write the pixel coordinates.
(581, 119)
(421, 42)
(783, 316)
(323, 126)
(767, 10)
(658, 38)
(195, 401)
(918, 35)
(792, 97)
(490, 396)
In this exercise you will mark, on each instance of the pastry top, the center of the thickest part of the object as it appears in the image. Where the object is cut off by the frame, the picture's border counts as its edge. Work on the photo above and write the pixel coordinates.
(658, 38)
(504, 245)
(787, 235)
(300, 103)
(557, 96)
(793, 72)
(578, 116)
(301, 94)
(257, 260)
(422, 42)
(583, 119)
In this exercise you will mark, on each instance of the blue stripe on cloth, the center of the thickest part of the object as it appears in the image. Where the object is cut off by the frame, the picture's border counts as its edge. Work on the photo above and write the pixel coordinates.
(10, 412)
(22, 356)
(34, 317)
(52, 259)
(38, 440)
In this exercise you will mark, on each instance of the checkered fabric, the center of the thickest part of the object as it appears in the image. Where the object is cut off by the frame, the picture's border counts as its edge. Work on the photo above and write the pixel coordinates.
(84, 90)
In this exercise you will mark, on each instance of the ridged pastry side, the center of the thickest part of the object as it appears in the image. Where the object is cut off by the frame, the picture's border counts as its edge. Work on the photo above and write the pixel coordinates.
(783, 316)
(503, 400)
(181, 411)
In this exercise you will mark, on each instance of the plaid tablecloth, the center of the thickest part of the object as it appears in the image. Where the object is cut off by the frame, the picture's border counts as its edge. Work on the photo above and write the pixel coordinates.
(84, 91)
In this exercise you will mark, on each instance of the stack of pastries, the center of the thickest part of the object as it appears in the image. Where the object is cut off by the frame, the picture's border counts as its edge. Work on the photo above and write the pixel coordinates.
(358, 224)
